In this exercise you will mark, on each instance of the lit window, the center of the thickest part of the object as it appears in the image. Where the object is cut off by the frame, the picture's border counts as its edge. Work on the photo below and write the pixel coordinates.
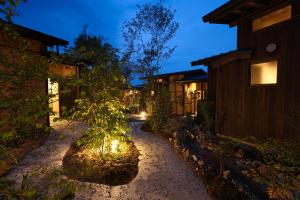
(272, 18)
(264, 73)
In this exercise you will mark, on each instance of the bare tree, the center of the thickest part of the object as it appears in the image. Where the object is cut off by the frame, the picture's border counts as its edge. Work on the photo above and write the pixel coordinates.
(147, 35)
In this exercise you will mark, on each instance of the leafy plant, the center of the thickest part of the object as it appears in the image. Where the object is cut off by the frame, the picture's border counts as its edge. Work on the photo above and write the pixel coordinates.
(160, 117)
(99, 103)
(206, 115)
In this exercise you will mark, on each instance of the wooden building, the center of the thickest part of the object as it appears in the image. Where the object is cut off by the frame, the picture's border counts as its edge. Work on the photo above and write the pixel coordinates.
(39, 44)
(186, 89)
(257, 86)
(131, 98)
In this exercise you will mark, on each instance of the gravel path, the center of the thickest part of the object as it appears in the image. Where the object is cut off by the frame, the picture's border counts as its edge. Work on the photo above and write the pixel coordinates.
(162, 173)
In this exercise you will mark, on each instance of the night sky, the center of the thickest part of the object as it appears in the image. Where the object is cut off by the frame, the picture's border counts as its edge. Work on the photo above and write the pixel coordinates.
(195, 39)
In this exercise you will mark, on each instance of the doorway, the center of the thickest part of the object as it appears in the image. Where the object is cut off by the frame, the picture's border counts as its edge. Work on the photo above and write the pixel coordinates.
(53, 91)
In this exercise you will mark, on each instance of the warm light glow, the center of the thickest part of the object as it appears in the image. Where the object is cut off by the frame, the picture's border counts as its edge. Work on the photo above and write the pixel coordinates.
(152, 93)
(264, 73)
(272, 18)
(53, 90)
(114, 146)
(143, 114)
(191, 88)
(130, 92)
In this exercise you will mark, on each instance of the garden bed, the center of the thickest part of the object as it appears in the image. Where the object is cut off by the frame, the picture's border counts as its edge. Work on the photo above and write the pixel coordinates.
(234, 169)
(14, 154)
(87, 165)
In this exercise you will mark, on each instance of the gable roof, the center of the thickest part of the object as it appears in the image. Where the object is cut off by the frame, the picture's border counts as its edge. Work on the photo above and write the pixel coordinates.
(193, 78)
(195, 71)
(36, 35)
(223, 58)
(233, 10)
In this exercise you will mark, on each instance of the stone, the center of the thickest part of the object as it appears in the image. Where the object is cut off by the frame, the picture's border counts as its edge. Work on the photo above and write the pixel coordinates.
(239, 153)
(110, 171)
(195, 158)
(200, 162)
(186, 154)
(226, 174)
(241, 189)
(174, 135)
(263, 170)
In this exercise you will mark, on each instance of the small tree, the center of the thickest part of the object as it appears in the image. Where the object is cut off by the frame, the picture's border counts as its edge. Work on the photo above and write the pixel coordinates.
(98, 104)
(146, 37)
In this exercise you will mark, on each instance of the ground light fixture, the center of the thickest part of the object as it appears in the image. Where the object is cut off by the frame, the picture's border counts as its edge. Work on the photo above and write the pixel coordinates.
(114, 146)
(143, 115)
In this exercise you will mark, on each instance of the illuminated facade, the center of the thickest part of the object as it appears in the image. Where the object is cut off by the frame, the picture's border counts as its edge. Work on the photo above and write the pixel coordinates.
(256, 87)
(39, 44)
(186, 89)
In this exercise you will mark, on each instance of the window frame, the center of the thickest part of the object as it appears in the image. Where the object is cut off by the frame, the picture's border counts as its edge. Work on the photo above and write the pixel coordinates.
(268, 11)
(260, 61)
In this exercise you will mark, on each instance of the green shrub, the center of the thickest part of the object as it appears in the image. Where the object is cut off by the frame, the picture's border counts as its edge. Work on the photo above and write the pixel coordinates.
(161, 110)
(206, 115)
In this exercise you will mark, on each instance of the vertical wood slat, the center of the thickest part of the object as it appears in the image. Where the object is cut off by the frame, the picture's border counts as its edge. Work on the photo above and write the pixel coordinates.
(261, 111)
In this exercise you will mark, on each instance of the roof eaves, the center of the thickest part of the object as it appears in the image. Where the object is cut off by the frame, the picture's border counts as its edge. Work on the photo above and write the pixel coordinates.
(37, 35)
(223, 58)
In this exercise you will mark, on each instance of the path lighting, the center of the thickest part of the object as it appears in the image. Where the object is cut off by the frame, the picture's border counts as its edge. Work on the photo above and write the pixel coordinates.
(143, 114)
(114, 146)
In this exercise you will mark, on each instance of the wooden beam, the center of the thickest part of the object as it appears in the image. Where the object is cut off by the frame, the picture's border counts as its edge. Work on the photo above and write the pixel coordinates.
(228, 58)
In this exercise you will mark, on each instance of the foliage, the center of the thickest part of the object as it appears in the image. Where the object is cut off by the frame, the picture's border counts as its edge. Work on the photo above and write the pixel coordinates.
(146, 37)
(282, 159)
(8, 8)
(206, 115)
(159, 119)
(132, 100)
(106, 120)
(282, 155)
(100, 82)
(56, 188)
(23, 101)
(278, 167)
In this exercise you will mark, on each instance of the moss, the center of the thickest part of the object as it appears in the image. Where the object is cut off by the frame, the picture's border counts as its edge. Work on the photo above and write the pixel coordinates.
(87, 166)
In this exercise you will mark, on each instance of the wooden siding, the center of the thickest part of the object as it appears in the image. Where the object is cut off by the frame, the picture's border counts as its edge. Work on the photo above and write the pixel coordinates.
(261, 111)
(8, 50)
(181, 102)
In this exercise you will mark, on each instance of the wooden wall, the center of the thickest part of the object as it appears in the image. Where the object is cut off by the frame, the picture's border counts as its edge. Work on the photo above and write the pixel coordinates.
(212, 83)
(181, 102)
(262, 111)
(8, 53)
(176, 94)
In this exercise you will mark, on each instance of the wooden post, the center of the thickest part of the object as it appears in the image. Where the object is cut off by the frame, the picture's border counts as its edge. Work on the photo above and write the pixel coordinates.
(202, 91)
(176, 95)
(57, 49)
(183, 93)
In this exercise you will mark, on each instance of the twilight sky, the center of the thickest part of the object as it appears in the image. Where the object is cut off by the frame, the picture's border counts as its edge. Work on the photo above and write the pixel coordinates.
(195, 39)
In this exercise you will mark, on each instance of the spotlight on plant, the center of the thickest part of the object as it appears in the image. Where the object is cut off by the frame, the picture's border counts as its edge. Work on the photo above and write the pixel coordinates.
(143, 115)
(114, 146)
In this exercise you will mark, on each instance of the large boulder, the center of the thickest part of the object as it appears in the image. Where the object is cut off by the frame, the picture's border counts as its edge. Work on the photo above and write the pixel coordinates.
(86, 165)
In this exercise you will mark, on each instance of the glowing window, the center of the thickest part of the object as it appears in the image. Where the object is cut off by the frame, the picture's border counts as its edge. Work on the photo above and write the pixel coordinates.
(272, 18)
(264, 73)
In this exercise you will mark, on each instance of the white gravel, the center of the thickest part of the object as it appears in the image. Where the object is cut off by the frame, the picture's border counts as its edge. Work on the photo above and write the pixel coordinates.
(162, 173)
